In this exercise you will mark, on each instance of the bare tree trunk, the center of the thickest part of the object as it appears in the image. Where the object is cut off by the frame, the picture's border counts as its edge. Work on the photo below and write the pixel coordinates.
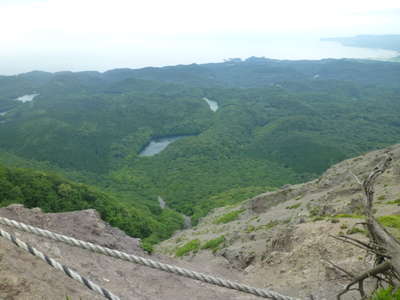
(383, 245)
(389, 245)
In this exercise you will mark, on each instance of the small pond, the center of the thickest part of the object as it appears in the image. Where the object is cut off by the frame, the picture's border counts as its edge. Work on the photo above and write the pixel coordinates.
(27, 98)
(212, 104)
(157, 145)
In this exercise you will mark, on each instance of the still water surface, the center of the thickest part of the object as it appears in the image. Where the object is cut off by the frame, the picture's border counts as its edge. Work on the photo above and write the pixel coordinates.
(157, 145)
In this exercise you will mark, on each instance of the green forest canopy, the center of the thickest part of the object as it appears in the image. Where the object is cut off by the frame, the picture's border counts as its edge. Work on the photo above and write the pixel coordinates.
(277, 123)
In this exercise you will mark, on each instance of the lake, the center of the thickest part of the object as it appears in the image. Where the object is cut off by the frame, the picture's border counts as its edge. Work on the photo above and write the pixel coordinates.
(157, 145)
(212, 104)
(27, 98)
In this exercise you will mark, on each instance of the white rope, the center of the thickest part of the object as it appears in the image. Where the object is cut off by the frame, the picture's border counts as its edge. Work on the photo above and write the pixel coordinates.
(266, 293)
(55, 264)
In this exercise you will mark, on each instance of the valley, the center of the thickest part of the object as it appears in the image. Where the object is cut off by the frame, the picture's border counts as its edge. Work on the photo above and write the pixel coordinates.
(233, 130)
(200, 150)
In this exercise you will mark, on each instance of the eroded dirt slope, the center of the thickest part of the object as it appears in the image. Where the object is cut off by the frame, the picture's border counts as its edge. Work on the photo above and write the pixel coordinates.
(282, 239)
(23, 276)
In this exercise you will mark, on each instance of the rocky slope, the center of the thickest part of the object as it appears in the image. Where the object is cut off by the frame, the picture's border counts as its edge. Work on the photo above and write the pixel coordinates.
(279, 239)
(24, 277)
(282, 239)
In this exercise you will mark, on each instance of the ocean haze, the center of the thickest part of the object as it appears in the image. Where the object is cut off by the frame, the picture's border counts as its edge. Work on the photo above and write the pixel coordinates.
(182, 52)
(101, 35)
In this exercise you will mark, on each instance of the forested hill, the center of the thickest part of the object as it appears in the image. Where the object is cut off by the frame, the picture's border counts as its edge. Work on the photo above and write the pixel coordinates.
(53, 193)
(278, 122)
(237, 73)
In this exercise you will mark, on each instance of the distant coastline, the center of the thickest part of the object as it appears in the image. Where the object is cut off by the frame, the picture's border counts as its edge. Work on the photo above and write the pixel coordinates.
(380, 42)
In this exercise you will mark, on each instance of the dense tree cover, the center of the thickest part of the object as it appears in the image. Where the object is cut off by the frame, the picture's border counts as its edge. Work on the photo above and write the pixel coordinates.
(249, 73)
(261, 72)
(53, 193)
(277, 123)
(89, 131)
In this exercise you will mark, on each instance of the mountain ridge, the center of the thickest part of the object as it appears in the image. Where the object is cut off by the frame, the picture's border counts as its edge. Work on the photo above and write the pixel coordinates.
(282, 239)
(279, 124)
(222, 73)
(279, 240)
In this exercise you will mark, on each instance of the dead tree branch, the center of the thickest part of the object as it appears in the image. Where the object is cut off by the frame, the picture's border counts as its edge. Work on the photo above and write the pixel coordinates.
(356, 178)
(383, 245)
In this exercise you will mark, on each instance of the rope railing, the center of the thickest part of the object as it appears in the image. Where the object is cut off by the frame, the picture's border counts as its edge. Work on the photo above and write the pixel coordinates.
(55, 264)
(265, 293)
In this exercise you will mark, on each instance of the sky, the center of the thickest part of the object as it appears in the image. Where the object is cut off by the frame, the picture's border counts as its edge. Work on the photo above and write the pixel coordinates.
(55, 35)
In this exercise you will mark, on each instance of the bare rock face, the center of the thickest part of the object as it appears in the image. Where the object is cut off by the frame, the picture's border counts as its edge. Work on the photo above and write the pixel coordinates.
(282, 239)
(25, 277)
(237, 258)
(84, 225)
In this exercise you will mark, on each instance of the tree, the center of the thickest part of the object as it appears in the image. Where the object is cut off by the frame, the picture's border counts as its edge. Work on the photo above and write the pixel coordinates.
(382, 244)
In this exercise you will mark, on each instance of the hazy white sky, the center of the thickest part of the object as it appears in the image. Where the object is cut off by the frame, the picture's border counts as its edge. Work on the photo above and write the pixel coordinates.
(57, 35)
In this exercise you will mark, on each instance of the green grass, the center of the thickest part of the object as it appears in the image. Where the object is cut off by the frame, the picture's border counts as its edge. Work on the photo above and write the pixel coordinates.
(229, 217)
(314, 211)
(250, 228)
(334, 218)
(192, 246)
(354, 230)
(319, 218)
(267, 226)
(392, 221)
(352, 216)
(214, 244)
(386, 294)
(397, 201)
(293, 206)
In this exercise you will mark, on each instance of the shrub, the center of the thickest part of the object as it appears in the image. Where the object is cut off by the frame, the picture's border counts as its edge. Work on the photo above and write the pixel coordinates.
(392, 221)
(268, 226)
(314, 211)
(214, 244)
(355, 229)
(293, 206)
(386, 294)
(250, 228)
(229, 217)
(397, 201)
(352, 216)
(193, 245)
(147, 246)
